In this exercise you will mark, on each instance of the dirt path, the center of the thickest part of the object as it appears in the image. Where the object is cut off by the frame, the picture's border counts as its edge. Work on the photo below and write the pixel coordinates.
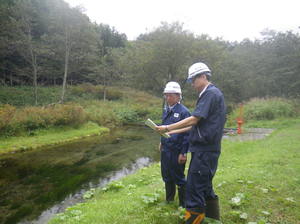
(249, 134)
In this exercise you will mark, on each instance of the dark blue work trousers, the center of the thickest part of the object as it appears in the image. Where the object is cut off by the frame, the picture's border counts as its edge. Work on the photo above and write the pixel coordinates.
(199, 187)
(171, 170)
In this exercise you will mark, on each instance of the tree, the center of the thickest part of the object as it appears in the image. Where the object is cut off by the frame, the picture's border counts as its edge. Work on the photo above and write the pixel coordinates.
(73, 39)
(161, 56)
(27, 44)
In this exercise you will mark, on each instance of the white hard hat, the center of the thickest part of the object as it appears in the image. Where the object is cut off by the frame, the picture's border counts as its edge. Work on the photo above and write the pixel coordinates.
(172, 87)
(197, 69)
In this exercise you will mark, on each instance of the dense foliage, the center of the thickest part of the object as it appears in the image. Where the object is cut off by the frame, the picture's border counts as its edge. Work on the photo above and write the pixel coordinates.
(49, 43)
(258, 109)
(83, 106)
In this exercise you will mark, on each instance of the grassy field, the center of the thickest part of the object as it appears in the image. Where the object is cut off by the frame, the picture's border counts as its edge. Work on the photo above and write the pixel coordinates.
(257, 182)
(52, 136)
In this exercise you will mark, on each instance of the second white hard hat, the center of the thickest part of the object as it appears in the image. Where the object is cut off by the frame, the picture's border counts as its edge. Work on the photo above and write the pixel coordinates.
(197, 69)
(172, 87)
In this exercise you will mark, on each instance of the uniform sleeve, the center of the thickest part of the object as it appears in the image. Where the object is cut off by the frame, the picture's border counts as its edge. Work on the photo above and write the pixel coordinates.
(204, 105)
(185, 143)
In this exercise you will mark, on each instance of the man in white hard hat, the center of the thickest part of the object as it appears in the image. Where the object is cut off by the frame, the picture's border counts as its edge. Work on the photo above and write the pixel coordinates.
(205, 127)
(174, 149)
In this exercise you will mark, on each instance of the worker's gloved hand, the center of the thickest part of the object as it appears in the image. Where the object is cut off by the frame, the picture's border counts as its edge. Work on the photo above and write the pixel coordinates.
(182, 158)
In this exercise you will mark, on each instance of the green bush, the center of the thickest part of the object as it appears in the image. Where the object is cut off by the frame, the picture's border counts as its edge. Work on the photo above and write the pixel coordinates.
(264, 109)
(126, 115)
(102, 113)
(15, 121)
(89, 91)
(124, 106)
(112, 113)
(6, 114)
(23, 95)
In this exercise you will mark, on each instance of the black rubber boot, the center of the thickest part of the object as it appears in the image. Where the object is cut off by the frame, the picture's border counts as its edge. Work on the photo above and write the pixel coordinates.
(194, 216)
(212, 209)
(181, 196)
(170, 191)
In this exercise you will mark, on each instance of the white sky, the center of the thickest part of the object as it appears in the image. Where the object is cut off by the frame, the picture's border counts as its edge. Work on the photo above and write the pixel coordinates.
(230, 19)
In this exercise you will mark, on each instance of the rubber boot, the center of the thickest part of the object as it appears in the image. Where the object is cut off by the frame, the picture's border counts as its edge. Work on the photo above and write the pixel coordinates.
(170, 191)
(212, 209)
(181, 196)
(194, 216)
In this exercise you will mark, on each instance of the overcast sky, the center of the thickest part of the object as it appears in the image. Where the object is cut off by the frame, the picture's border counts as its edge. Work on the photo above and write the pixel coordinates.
(232, 20)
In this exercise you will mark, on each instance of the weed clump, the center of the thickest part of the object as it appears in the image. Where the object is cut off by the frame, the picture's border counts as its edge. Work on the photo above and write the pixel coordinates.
(264, 109)
(16, 121)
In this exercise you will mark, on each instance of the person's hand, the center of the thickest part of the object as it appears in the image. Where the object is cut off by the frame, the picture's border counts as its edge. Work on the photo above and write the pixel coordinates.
(182, 159)
(159, 147)
(162, 128)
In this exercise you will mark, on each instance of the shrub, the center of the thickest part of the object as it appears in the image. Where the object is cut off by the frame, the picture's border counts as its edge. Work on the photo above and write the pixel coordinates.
(27, 119)
(6, 114)
(23, 95)
(89, 91)
(102, 113)
(69, 114)
(110, 113)
(126, 115)
(264, 109)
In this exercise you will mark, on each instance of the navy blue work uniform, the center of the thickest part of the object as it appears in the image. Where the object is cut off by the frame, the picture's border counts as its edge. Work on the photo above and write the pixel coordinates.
(171, 170)
(205, 146)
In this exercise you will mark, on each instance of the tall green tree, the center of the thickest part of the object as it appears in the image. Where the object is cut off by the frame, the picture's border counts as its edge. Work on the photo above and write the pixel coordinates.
(27, 41)
(160, 55)
(73, 40)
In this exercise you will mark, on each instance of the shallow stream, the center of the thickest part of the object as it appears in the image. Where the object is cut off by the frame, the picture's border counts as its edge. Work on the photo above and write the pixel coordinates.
(35, 185)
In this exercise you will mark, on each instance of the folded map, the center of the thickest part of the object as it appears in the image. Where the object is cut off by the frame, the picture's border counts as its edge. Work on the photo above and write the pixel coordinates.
(152, 125)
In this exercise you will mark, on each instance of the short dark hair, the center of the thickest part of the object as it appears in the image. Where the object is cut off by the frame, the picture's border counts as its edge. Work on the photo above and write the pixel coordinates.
(208, 76)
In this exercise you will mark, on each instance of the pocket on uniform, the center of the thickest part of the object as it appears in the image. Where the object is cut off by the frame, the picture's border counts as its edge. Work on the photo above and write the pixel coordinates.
(196, 136)
(199, 164)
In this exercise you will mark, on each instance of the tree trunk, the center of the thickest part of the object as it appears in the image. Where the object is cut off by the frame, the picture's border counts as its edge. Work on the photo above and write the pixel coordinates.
(67, 56)
(35, 84)
(104, 93)
(10, 79)
(33, 64)
(34, 67)
(104, 88)
(65, 76)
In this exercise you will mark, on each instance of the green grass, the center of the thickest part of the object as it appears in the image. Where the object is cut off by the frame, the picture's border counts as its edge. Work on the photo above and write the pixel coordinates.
(264, 174)
(83, 104)
(46, 137)
(278, 123)
(262, 109)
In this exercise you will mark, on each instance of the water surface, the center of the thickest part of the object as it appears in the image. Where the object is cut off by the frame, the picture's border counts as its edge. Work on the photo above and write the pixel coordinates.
(36, 181)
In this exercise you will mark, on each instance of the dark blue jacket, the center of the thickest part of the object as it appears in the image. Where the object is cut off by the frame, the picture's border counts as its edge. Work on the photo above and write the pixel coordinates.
(206, 135)
(177, 142)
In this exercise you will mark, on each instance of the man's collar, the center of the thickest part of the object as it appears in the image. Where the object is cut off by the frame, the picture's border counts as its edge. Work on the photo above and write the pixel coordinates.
(171, 107)
(204, 89)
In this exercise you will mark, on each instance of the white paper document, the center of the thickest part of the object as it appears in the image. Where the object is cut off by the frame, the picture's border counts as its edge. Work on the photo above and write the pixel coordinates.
(152, 125)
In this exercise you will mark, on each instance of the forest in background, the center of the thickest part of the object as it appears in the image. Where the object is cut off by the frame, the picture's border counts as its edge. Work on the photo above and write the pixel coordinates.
(49, 43)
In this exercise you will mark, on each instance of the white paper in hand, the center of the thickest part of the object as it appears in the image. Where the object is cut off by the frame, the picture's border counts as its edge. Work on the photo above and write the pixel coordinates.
(152, 125)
